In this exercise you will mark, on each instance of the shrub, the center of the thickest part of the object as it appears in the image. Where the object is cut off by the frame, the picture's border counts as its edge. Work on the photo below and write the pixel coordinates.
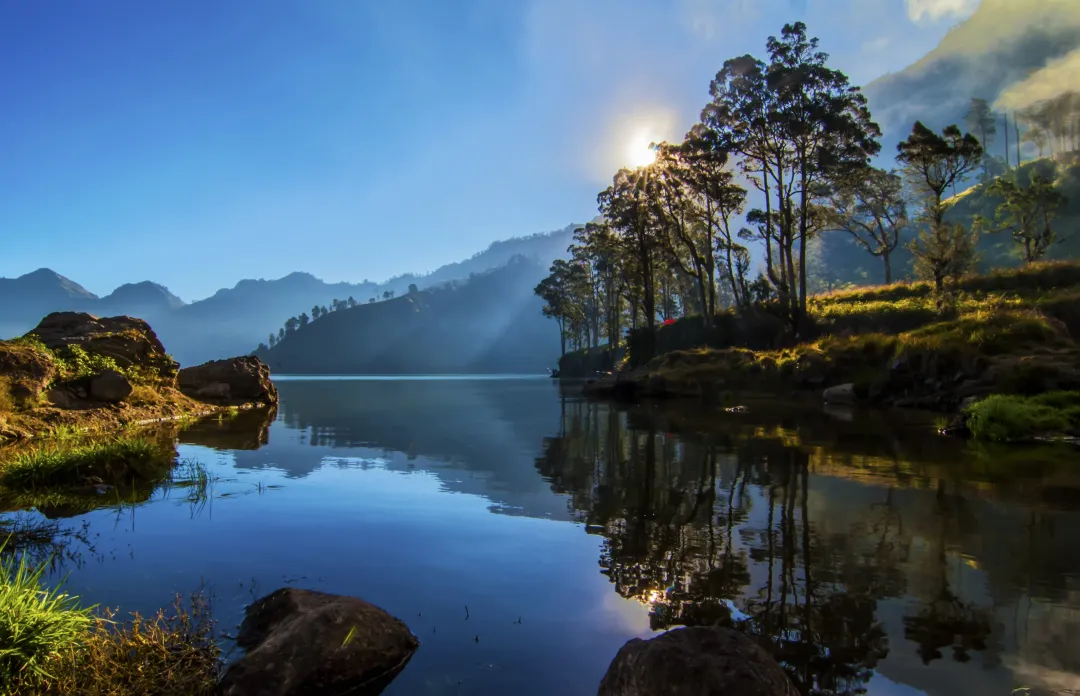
(1002, 418)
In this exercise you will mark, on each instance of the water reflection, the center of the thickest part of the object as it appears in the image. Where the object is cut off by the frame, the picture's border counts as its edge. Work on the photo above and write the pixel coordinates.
(866, 554)
(851, 547)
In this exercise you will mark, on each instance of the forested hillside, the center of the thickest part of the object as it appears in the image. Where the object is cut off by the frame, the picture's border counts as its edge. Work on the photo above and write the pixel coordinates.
(491, 323)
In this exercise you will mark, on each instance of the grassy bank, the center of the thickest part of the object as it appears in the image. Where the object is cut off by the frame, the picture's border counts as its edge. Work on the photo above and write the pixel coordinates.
(1010, 332)
(1010, 418)
(63, 464)
(50, 644)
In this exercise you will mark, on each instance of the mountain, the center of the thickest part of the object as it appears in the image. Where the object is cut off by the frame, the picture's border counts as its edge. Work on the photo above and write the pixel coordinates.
(233, 320)
(491, 323)
(998, 47)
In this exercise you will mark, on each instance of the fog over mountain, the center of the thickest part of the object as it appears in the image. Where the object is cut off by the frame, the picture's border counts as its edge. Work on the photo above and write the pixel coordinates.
(1018, 51)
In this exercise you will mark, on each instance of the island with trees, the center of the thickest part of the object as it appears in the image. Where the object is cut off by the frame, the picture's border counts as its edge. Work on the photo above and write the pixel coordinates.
(709, 270)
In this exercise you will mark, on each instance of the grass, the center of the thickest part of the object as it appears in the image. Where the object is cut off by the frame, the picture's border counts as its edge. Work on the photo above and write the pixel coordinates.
(37, 625)
(115, 460)
(49, 644)
(1010, 418)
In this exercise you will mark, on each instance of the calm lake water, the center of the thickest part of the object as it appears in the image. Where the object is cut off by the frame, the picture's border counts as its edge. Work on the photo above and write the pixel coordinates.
(525, 534)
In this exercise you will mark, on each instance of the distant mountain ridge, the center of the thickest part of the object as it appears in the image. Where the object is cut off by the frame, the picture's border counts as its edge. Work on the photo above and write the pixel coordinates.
(234, 320)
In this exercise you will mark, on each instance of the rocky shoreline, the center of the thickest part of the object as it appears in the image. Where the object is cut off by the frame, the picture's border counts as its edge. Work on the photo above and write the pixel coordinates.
(76, 372)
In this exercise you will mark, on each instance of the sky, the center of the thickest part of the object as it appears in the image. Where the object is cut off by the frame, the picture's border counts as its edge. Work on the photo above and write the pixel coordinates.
(200, 142)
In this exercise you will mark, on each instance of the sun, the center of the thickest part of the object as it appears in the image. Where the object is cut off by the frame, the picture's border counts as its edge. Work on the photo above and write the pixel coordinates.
(639, 151)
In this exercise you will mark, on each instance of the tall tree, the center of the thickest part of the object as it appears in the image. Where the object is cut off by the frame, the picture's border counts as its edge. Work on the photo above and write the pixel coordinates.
(872, 208)
(934, 163)
(1028, 213)
(316, 312)
(630, 213)
(719, 199)
(796, 124)
(303, 319)
(981, 120)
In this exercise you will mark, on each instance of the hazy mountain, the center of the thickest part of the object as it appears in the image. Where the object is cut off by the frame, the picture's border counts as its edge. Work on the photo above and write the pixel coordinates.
(491, 323)
(999, 46)
(234, 320)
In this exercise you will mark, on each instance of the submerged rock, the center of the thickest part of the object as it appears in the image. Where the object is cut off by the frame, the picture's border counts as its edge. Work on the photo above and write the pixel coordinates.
(307, 643)
(229, 382)
(698, 661)
(843, 395)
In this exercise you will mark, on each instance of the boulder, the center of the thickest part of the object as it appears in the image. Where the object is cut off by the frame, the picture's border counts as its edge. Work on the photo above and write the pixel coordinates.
(110, 386)
(229, 382)
(698, 661)
(843, 394)
(25, 371)
(128, 341)
(306, 643)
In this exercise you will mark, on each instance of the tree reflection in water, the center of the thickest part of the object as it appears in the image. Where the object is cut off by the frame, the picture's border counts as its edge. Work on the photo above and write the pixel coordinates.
(731, 527)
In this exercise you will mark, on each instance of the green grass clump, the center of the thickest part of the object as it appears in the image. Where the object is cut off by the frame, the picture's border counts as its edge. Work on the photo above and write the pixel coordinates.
(37, 625)
(1006, 418)
(116, 460)
(49, 645)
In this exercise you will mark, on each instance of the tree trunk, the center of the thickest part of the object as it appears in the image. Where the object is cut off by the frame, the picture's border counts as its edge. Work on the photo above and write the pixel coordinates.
(885, 256)
(1006, 141)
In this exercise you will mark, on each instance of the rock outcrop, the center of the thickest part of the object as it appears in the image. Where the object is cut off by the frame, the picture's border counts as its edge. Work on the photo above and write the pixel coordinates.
(25, 371)
(128, 341)
(699, 661)
(110, 386)
(226, 382)
(306, 643)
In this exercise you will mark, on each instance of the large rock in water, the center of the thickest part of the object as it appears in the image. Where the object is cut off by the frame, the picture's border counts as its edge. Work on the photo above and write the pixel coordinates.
(128, 341)
(233, 381)
(306, 643)
(699, 661)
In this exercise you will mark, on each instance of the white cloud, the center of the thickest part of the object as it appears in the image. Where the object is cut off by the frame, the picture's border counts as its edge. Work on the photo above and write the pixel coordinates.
(937, 10)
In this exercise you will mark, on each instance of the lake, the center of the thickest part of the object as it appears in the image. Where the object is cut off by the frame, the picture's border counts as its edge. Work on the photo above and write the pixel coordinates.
(524, 534)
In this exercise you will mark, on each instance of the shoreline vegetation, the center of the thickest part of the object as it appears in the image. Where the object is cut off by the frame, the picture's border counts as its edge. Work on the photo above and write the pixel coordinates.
(1004, 339)
(77, 373)
(682, 288)
(51, 642)
(55, 645)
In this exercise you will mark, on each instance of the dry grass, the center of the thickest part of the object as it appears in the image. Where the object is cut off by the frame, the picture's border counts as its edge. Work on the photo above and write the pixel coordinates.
(170, 654)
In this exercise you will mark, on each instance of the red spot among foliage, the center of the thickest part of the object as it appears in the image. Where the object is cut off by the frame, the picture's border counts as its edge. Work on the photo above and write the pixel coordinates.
(668, 321)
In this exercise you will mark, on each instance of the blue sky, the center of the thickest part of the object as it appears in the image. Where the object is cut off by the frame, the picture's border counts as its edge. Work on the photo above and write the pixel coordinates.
(199, 142)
